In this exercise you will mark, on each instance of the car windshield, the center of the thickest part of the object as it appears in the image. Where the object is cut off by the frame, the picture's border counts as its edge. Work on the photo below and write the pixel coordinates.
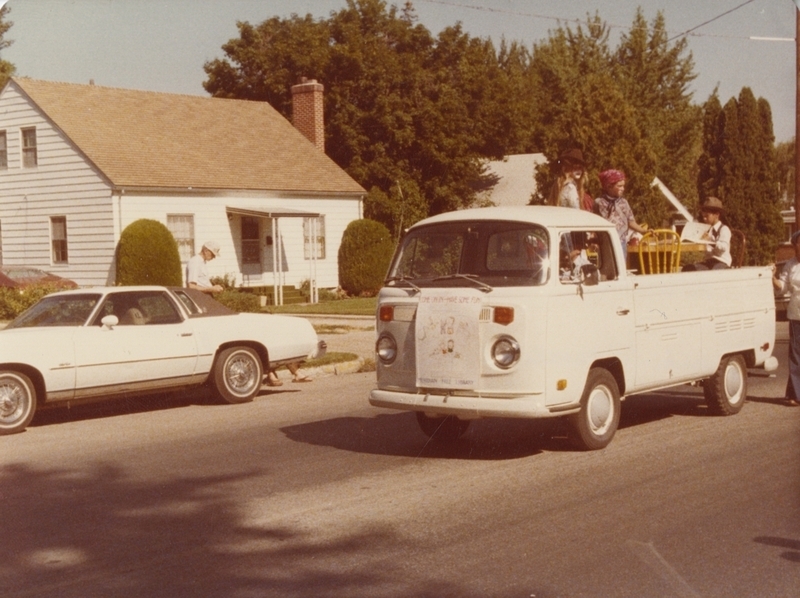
(57, 310)
(496, 253)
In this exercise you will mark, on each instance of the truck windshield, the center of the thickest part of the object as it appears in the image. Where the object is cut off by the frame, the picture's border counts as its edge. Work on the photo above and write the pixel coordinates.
(496, 253)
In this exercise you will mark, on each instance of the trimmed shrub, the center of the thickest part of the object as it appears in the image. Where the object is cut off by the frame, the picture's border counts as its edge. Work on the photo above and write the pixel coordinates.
(148, 254)
(239, 301)
(364, 257)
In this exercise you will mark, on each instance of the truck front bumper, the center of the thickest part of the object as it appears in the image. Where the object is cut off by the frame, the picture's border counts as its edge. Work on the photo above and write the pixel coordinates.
(470, 407)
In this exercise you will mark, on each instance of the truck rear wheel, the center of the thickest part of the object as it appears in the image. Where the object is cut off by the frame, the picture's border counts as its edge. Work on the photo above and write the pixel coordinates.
(726, 390)
(446, 428)
(596, 423)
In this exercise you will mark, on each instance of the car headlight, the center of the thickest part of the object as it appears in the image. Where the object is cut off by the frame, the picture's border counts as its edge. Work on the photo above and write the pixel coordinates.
(505, 352)
(386, 348)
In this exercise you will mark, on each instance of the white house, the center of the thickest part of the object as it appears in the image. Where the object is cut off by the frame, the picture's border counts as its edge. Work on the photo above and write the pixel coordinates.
(78, 163)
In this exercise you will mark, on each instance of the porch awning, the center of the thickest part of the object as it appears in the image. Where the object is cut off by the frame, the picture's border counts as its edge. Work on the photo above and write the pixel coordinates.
(271, 212)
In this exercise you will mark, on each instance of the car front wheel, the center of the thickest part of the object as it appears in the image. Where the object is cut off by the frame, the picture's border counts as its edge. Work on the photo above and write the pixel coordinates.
(17, 402)
(237, 375)
(596, 423)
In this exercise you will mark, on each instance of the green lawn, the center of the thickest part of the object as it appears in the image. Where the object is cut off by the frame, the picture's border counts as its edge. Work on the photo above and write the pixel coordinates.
(363, 306)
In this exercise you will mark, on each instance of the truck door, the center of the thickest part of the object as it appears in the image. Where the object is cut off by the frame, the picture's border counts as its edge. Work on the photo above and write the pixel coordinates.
(589, 314)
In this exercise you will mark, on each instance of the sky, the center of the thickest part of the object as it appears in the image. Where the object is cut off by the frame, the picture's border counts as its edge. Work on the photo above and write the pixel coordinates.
(161, 45)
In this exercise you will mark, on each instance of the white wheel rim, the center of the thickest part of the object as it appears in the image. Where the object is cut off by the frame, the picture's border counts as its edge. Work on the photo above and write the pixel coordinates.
(600, 410)
(241, 374)
(733, 383)
(13, 401)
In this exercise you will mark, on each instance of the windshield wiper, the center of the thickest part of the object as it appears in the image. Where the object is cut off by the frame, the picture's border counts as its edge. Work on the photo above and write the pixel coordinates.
(470, 277)
(403, 279)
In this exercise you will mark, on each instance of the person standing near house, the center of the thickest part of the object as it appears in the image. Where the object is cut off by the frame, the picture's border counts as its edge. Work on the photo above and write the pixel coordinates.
(615, 208)
(196, 271)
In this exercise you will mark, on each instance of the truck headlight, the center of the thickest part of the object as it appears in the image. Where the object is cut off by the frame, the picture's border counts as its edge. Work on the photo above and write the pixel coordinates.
(386, 348)
(505, 352)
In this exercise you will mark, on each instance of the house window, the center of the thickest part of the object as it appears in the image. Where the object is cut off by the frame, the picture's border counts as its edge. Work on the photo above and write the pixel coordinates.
(251, 253)
(182, 228)
(314, 238)
(58, 236)
(29, 156)
(3, 150)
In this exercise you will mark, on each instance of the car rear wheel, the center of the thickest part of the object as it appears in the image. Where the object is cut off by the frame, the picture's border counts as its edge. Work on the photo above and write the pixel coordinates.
(444, 428)
(726, 390)
(237, 375)
(17, 402)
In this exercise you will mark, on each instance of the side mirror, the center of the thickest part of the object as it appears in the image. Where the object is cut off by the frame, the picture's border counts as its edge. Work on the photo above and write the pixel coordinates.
(109, 321)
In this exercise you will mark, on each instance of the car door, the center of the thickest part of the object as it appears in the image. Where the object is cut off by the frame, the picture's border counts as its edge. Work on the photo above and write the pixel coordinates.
(589, 314)
(152, 346)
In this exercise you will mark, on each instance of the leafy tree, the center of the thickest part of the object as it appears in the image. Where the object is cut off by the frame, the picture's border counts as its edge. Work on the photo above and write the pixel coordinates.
(739, 166)
(7, 69)
(405, 111)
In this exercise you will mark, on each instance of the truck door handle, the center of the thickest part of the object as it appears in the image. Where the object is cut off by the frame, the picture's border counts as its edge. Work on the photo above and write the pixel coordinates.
(623, 312)
(186, 334)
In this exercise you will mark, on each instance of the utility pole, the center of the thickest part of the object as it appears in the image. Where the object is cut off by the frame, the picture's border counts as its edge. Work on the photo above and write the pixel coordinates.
(797, 118)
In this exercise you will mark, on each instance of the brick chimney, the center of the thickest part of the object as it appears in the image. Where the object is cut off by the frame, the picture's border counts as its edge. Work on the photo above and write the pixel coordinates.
(307, 114)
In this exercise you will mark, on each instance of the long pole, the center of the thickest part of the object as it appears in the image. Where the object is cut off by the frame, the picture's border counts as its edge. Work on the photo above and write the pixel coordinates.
(797, 120)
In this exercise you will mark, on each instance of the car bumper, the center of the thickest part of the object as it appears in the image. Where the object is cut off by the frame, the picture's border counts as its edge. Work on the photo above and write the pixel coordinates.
(469, 407)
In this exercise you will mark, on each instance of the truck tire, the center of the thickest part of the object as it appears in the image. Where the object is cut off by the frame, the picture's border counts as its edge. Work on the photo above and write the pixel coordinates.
(726, 390)
(445, 429)
(595, 425)
(17, 402)
(237, 375)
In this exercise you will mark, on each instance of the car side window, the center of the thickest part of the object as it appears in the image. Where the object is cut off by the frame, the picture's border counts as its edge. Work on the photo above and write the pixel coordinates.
(139, 308)
(578, 249)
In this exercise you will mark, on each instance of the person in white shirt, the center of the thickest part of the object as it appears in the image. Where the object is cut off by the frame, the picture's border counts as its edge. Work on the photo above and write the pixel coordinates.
(789, 278)
(717, 238)
(196, 271)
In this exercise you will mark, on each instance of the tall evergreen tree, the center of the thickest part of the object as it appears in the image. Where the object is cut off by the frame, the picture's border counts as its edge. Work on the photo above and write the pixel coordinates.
(7, 69)
(739, 166)
(627, 108)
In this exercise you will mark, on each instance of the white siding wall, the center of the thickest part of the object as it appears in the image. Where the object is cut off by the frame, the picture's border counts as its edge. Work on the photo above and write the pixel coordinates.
(211, 222)
(62, 184)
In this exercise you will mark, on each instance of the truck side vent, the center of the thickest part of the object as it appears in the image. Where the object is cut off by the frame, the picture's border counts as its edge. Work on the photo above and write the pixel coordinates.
(486, 315)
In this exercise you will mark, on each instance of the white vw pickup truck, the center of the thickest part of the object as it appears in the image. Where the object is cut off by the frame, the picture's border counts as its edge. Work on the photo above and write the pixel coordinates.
(530, 312)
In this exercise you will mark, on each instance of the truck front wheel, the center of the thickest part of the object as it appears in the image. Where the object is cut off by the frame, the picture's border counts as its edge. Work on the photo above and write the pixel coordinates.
(726, 390)
(445, 428)
(596, 423)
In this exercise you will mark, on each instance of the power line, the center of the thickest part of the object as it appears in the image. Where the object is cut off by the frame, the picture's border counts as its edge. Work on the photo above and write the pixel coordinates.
(727, 12)
(517, 13)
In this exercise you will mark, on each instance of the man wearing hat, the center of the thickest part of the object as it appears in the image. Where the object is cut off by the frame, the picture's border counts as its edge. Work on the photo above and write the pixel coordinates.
(196, 272)
(717, 239)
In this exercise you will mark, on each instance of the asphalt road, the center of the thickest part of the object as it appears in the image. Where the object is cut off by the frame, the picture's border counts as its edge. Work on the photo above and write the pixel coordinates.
(309, 491)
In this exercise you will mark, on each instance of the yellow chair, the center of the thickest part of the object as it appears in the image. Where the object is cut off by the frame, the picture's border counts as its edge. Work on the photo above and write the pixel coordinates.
(738, 248)
(660, 251)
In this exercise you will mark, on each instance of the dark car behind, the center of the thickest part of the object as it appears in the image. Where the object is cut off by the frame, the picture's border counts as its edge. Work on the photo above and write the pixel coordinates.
(17, 277)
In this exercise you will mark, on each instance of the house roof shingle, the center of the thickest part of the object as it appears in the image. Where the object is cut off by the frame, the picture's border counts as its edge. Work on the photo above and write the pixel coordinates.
(159, 140)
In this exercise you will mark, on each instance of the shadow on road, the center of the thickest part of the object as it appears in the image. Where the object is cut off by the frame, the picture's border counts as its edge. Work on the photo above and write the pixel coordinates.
(94, 532)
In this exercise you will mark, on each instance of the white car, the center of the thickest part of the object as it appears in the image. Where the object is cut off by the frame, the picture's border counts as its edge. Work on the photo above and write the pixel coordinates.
(99, 343)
